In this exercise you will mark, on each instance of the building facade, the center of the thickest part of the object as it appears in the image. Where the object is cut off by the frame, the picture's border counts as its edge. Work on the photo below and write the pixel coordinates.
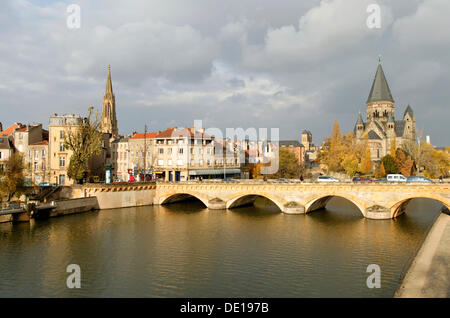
(59, 155)
(381, 128)
(39, 167)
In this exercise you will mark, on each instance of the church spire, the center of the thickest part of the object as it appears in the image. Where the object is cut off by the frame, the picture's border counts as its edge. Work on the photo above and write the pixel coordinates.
(380, 89)
(109, 121)
(359, 121)
(109, 89)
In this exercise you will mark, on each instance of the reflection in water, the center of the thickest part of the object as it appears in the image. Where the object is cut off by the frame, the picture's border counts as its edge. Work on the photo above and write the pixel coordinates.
(185, 250)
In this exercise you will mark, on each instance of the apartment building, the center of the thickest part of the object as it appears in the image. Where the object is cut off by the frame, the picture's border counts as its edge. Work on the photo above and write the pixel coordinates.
(38, 162)
(59, 156)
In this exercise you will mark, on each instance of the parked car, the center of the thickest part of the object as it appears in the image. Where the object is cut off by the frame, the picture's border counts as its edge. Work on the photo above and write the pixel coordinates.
(418, 179)
(327, 179)
(282, 180)
(229, 180)
(362, 179)
(47, 184)
(381, 180)
(396, 178)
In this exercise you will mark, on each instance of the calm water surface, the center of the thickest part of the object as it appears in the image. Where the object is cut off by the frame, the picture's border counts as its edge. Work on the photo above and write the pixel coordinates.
(184, 250)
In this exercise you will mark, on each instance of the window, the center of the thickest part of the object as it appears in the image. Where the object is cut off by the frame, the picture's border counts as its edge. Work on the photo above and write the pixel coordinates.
(179, 162)
(192, 162)
(161, 151)
(192, 151)
(61, 146)
(170, 151)
(61, 134)
(43, 165)
(62, 179)
(43, 153)
(200, 162)
(160, 162)
(62, 161)
(200, 151)
(169, 162)
(208, 162)
(0, 155)
(20, 136)
(180, 151)
(35, 166)
(36, 154)
(30, 154)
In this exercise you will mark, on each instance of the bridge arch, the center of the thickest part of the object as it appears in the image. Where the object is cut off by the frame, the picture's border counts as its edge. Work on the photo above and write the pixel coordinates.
(318, 202)
(173, 197)
(248, 198)
(398, 206)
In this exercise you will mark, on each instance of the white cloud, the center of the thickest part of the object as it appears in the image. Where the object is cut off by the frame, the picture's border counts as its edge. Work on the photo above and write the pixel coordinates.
(326, 31)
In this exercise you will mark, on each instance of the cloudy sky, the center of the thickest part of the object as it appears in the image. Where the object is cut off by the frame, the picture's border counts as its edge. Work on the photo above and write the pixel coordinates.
(292, 64)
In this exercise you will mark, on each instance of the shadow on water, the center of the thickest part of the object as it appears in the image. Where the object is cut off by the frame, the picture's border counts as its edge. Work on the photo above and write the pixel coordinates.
(187, 206)
(261, 207)
(337, 211)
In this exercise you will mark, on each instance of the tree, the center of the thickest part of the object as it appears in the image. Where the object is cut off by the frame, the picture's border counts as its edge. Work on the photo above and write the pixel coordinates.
(366, 163)
(85, 141)
(342, 154)
(393, 148)
(336, 136)
(405, 164)
(380, 172)
(389, 164)
(421, 152)
(442, 162)
(288, 165)
(350, 164)
(12, 180)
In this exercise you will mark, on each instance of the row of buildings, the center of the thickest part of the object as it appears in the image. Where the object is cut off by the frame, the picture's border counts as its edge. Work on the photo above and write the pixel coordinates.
(175, 154)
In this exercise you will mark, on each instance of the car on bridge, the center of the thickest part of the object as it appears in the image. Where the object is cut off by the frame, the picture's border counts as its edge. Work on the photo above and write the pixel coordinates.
(396, 178)
(327, 179)
(362, 179)
(418, 179)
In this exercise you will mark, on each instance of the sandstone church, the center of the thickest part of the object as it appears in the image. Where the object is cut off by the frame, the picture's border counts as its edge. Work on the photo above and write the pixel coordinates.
(381, 126)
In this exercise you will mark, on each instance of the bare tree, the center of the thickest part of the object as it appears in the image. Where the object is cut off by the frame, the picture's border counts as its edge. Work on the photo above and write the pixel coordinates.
(85, 141)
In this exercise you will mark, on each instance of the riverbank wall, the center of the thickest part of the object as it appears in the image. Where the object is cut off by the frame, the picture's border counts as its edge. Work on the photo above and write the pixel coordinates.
(429, 273)
(73, 206)
(115, 196)
(56, 208)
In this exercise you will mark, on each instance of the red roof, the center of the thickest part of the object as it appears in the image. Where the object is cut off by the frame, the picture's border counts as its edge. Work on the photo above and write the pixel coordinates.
(180, 132)
(10, 130)
(143, 135)
(44, 142)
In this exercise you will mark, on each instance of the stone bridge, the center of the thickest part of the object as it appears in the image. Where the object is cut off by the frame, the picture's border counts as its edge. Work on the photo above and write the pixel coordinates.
(375, 201)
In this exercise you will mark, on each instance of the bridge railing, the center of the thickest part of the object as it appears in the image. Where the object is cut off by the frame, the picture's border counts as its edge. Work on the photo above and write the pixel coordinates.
(295, 181)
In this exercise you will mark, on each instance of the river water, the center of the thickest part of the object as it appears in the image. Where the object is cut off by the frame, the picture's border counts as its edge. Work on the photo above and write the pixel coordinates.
(184, 250)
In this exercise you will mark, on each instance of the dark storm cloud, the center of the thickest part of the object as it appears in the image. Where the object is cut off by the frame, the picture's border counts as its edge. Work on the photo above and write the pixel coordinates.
(288, 64)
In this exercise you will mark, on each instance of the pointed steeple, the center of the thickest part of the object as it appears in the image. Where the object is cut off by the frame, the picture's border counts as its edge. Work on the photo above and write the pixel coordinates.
(409, 111)
(380, 89)
(109, 120)
(109, 89)
(359, 121)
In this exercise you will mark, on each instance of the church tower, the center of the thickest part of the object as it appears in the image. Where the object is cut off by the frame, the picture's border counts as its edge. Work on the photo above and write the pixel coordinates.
(380, 102)
(108, 122)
